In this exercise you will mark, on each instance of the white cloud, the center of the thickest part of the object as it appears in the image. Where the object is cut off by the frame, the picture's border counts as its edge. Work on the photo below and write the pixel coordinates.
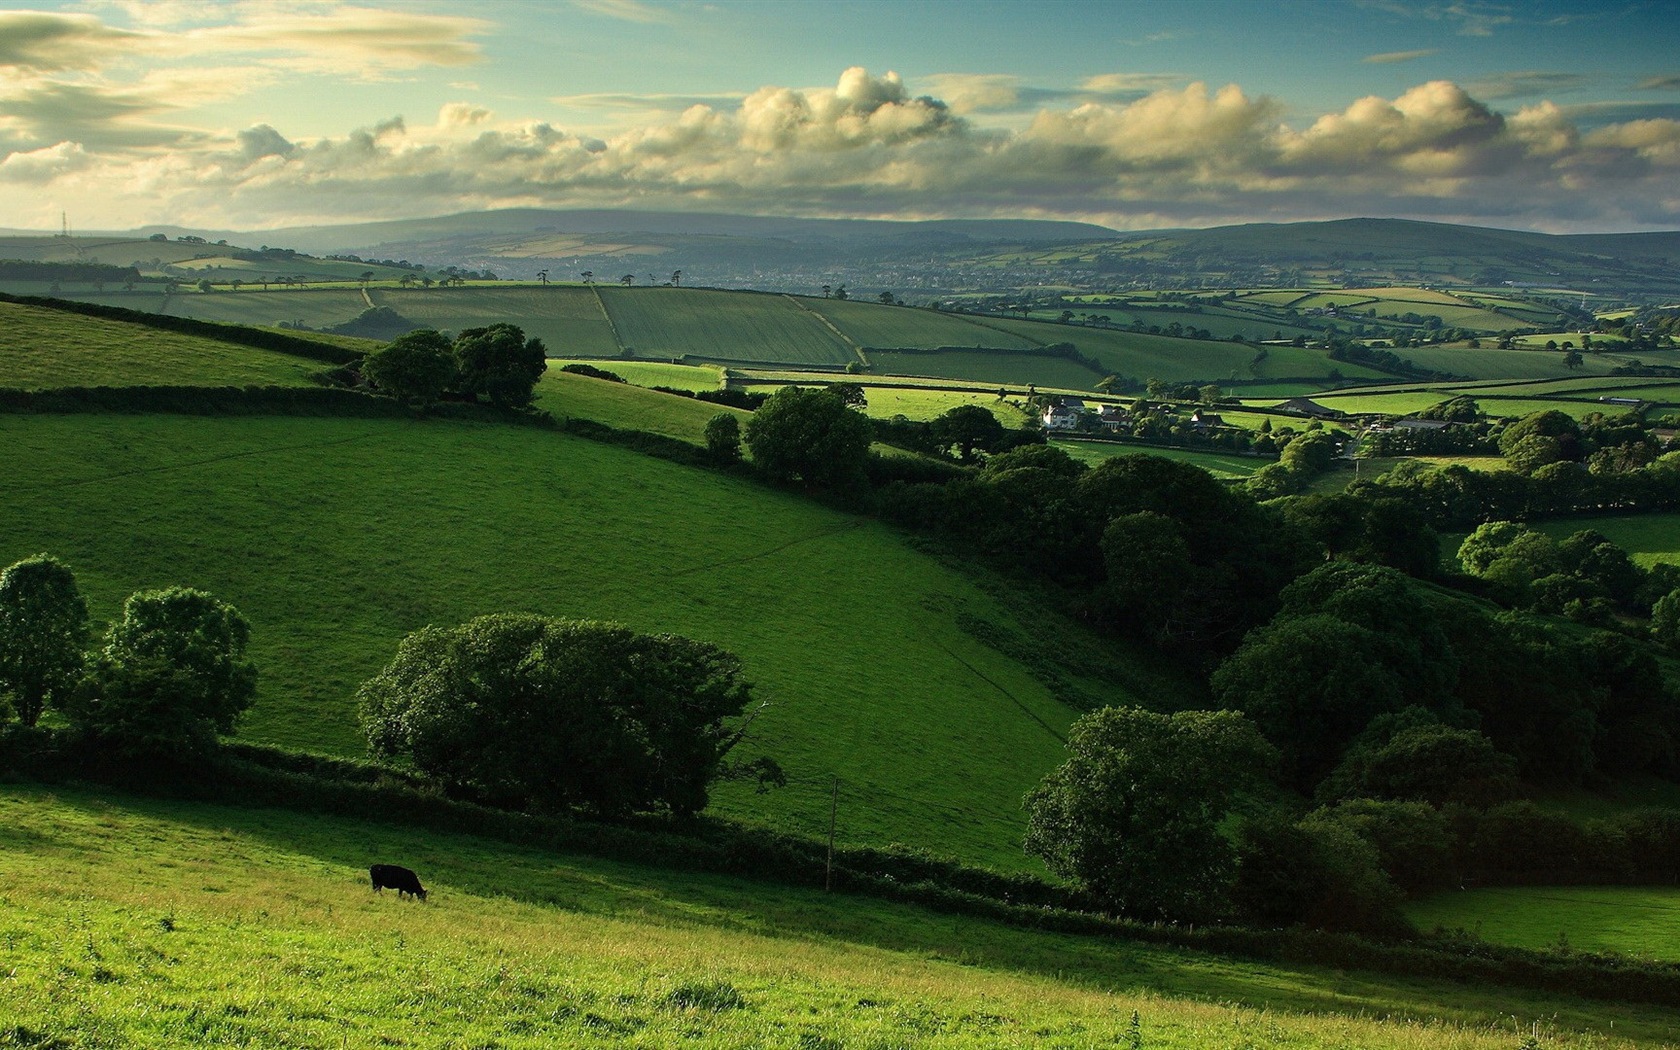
(39, 41)
(868, 145)
(624, 10)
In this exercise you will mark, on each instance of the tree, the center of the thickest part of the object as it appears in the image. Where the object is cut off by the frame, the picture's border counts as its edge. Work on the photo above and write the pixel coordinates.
(588, 276)
(968, 428)
(1134, 812)
(886, 298)
(810, 435)
(417, 367)
(500, 363)
(723, 438)
(43, 626)
(1572, 360)
(542, 276)
(627, 280)
(204, 284)
(524, 710)
(840, 292)
(676, 278)
(172, 675)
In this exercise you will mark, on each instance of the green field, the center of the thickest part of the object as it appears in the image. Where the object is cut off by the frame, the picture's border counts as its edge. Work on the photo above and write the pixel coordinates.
(129, 922)
(1648, 538)
(1005, 368)
(1516, 364)
(48, 348)
(567, 318)
(886, 402)
(654, 373)
(1219, 464)
(314, 307)
(871, 325)
(337, 537)
(730, 326)
(628, 407)
(1637, 920)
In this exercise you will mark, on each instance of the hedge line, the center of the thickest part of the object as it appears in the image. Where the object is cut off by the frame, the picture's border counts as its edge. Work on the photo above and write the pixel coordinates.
(249, 776)
(292, 345)
(203, 401)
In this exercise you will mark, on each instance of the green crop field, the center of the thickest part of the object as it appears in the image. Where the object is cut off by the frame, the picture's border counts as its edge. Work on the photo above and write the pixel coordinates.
(315, 307)
(1002, 367)
(1637, 920)
(337, 537)
(48, 348)
(920, 404)
(871, 325)
(567, 318)
(130, 922)
(732, 326)
(1515, 364)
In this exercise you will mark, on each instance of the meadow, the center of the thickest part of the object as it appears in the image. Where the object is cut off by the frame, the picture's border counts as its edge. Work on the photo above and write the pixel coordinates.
(1648, 538)
(337, 537)
(1005, 368)
(1227, 465)
(135, 922)
(1634, 920)
(628, 407)
(313, 307)
(42, 348)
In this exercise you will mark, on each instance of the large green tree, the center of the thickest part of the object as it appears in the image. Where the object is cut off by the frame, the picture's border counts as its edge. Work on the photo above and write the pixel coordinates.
(43, 627)
(417, 367)
(1133, 815)
(498, 362)
(524, 710)
(172, 675)
(809, 435)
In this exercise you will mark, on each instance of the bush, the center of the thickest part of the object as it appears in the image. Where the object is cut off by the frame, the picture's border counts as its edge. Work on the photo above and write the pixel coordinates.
(809, 435)
(522, 710)
(723, 438)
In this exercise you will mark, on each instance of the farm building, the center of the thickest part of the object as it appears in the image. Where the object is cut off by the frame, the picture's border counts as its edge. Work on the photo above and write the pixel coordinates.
(1063, 413)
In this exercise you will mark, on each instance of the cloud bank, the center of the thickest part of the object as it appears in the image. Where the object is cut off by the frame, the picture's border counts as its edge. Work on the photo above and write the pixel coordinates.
(1126, 149)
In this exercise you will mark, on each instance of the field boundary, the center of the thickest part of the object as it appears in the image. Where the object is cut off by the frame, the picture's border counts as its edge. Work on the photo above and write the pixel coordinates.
(856, 347)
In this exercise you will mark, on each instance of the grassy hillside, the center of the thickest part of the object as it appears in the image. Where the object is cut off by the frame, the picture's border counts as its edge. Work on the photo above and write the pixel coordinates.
(628, 407)
(337, 537)
(313, 307)
(46, 348)
(132, 922)
(1638, 920)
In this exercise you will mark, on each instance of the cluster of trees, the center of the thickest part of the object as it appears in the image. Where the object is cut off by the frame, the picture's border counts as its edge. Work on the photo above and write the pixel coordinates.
(530, 712)
(171, 675)
(1585, 577)
(497, 362)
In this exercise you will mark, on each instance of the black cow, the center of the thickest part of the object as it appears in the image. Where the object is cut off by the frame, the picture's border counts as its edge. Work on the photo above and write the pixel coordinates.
(397, 878)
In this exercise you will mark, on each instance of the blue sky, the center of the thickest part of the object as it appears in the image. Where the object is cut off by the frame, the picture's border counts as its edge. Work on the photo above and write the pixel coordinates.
(253, 115)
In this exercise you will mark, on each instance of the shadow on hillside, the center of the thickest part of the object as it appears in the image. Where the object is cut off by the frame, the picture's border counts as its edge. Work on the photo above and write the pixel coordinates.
(460, 869)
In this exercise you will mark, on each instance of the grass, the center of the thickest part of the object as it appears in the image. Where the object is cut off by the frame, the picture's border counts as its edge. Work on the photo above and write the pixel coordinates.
(1648, 538)
(338, 537)
(314, 307)
(568, 319)
(653, 373)
(872, 325)
(1637, 920)
(1026, 367)
(40, 349)
(629, 407)
(1219, 464)
(922, 404)
(133, 922)
(670, 323)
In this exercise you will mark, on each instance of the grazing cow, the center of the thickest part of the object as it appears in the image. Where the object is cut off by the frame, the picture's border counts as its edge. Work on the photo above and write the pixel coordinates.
(397, 878)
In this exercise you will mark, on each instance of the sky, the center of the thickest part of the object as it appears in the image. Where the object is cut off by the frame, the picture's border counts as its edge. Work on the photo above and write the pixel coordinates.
(1552, 116)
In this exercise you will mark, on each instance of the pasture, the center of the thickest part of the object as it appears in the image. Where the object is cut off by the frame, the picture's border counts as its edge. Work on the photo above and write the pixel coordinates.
(134, 922)
(654, 373)
(313, 307)
(1635, 920)
(628, 407)
(337, 537)
(1000, 367)
(40, 349)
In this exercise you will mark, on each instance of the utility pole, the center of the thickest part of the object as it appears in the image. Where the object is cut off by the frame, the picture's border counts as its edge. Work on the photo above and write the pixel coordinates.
(833, 812)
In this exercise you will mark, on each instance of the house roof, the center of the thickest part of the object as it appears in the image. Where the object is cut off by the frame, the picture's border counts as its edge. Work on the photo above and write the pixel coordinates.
(1308, 407)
